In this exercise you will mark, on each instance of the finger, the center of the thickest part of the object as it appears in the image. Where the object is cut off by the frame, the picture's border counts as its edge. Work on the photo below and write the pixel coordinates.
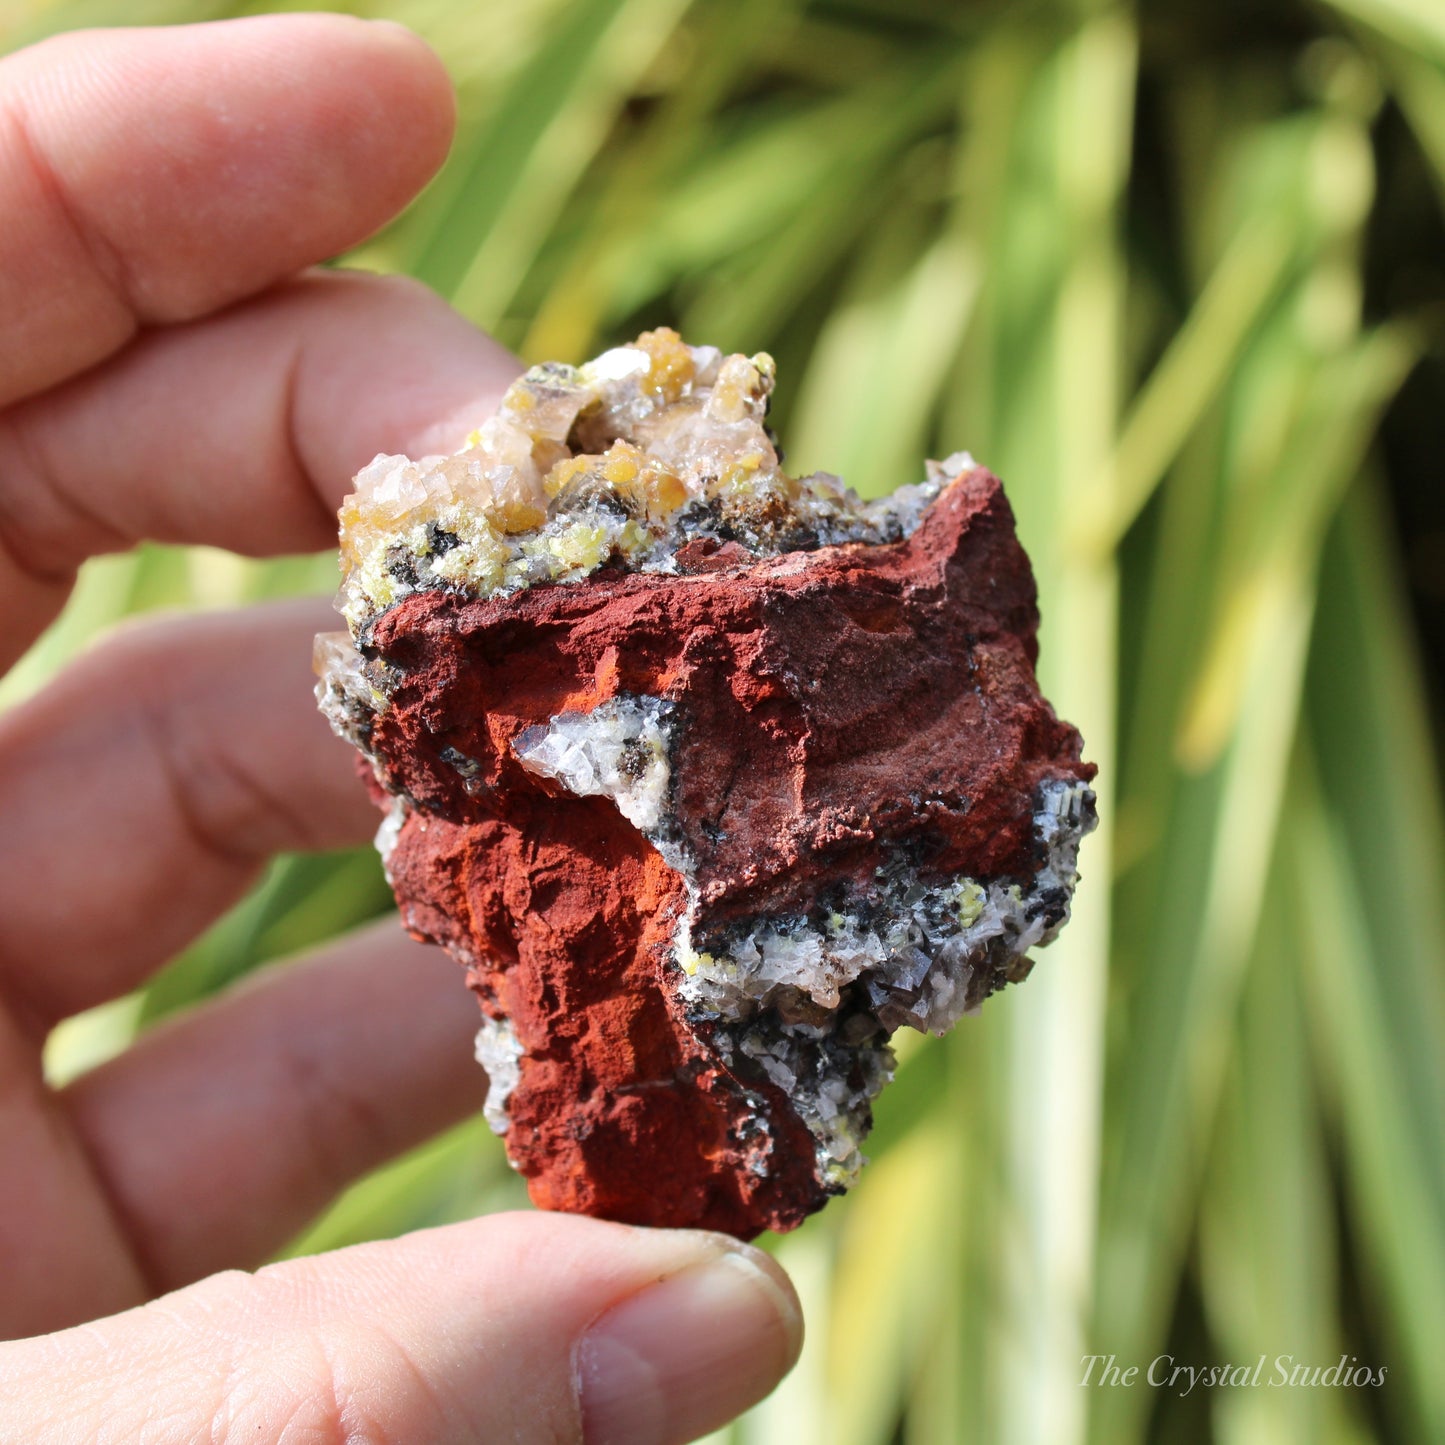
(518, 1327)
(145, 788)
(241, 431)
(63, 1254)
(220, 1134)
(151, 176)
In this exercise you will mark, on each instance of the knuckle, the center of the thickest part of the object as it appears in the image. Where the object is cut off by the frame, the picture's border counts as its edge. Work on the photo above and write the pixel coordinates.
(400, 290)
(218, 793)
(35, 525)
(384, 292)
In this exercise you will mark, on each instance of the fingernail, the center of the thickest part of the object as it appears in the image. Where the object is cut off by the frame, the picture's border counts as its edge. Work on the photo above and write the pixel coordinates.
(688, 1354)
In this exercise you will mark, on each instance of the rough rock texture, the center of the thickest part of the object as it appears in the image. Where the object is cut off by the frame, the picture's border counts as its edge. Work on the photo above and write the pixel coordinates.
(707, 822)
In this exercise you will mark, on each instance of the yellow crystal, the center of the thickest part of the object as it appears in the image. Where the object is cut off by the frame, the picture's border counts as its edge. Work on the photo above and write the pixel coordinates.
(618, 461)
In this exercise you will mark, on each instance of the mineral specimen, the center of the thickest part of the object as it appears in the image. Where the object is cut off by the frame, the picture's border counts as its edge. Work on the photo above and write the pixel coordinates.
(711, 776)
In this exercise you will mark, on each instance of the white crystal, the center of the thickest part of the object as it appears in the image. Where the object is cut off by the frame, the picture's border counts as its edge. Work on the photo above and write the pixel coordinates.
(390, 830)
(500, 1053)
(949, 467)
(619, 750)
(345, 694)
(394, 486)
(619, 364)
(934, 937)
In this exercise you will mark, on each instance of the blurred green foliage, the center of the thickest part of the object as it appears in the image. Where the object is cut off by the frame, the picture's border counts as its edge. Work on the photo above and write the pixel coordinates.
(1125, 257)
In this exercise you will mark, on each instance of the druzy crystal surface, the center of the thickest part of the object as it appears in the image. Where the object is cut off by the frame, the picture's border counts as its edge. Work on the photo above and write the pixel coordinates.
(712, 777)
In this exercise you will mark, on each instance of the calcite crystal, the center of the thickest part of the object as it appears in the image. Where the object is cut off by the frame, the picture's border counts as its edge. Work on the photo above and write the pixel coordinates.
(712, 777)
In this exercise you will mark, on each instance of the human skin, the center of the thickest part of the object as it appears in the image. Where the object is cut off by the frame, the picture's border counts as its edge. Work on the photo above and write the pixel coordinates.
(170, 369)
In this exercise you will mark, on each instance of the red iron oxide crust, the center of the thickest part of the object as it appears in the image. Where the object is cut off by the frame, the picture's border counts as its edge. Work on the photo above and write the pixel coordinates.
(834, 705)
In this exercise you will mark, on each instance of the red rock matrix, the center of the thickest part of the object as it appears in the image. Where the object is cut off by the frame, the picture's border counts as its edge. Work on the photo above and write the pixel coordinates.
(708, 812)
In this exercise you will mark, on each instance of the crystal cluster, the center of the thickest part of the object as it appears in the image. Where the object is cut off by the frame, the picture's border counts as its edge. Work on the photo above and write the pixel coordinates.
(619, 750)
(622, 460)
(712, 777)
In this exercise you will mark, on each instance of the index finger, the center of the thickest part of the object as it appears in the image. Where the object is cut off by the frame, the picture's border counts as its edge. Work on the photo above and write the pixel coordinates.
(153, 176)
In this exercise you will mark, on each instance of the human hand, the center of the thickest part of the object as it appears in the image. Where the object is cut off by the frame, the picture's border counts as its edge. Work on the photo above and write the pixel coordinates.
(168, 370)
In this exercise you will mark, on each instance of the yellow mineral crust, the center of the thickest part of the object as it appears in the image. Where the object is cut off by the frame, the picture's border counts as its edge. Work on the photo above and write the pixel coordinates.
(617, 462)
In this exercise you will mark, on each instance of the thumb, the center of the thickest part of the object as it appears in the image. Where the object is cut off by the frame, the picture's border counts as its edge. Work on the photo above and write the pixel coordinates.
(519, 1327)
